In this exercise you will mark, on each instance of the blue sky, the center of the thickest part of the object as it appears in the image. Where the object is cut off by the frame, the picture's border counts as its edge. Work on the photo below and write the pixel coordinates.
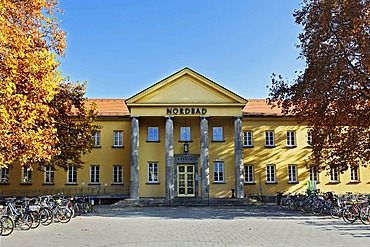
(122, 47)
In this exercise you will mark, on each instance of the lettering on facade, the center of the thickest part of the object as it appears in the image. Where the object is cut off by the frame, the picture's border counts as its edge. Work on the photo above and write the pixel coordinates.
(186, 111)
(181, 158)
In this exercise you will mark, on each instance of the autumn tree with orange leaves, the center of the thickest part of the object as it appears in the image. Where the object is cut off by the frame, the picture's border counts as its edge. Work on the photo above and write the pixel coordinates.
(30, 84)
(332, 94)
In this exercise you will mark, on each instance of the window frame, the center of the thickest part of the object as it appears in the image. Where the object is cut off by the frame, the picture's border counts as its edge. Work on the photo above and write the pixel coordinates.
(26, 175)
(153, 172)
(49, 175)
(185, 134)
(218, 174)
(292, 174)
(248, 138)
(94, 174)
(71, 174)
(4, 175)
(153, 134)
(269, 134)
(291, 140)
(314, 174)
(117, 173)
(97, 138)
(334, 175)
(354, 174)
(118, 138)
(271, 174)
(249, 173)
(309, 139)
(217, 134)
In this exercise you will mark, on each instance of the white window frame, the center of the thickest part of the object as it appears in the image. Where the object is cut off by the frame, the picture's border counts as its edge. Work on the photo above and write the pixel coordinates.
(185, 134)
(153, 172)
(26, 175)
(248, 139)
(270, 174)
(314, 175)
(218, 172)
(309, 139)
(118, 138)
(4, 175)
(94, 174)
(96, 138)
(249, 174)
(334, 175)
(153, 134)
(71, 175)
(49, 175)
(291, 139)
(292, 174)
(117, 174)
(355, 174)
(217, 134)
(269, 138)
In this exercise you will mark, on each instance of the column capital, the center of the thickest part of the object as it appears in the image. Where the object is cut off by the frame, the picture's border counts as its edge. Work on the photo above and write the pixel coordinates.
(204, 117)
(238, 117)
(169, 117)
(134, 117)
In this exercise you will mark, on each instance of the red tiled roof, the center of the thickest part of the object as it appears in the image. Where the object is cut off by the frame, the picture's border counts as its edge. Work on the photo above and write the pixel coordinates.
(110, 107)
(260, 108)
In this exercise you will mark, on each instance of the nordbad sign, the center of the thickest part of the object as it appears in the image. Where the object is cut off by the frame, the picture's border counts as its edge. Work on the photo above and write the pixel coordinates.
(186, 111)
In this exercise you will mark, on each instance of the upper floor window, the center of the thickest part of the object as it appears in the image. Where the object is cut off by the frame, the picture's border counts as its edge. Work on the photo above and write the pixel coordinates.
(269, 139)
(71, 175)
(117, 174)
(49, 174)
(153, 134)
(309, 139)
(4, 175)
(185, 134)
(290, 139)
(218, 172)
(249, 174)
(118, 138)
(217, 134)
(26, 175)
(96, 139)
(152, 172)
(248, 139)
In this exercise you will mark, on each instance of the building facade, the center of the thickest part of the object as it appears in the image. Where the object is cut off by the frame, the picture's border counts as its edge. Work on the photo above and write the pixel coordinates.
(187, 136)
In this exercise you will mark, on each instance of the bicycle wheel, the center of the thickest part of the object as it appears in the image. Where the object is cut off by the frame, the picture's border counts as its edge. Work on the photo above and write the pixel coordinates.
(365, 215)
(46, 216)
(35, 219)
(7, 225)
(63, 214)
(336, 212)
(350, 215)
(25, 221)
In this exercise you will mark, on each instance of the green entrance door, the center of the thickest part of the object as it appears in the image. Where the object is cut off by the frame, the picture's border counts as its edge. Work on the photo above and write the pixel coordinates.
(185, 181)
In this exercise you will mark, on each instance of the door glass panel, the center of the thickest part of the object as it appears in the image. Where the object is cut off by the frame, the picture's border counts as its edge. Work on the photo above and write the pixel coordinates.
(185, 180)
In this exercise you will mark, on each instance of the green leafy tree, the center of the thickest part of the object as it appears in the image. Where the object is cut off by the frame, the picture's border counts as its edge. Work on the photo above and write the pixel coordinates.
(332, 94)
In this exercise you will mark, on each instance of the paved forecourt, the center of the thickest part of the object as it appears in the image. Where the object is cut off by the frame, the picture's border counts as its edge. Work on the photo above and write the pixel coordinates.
(194, 226)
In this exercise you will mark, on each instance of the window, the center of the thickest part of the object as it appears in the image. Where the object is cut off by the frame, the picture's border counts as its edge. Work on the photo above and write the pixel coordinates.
(4, 175)
(118, 139)
(314, 175)
(71, 175)
(94, 174)
(270, 174)
(153, 134)
(217, 134)
(249, 174)
(292, 174)
(26, 175)
(248, 139)
(309, 139)
(96, 138)
(354, 174)
(290, 139)
(269, 139)
(117, 174)
(153, 172)
(48, 175)
(185, 134)
(334, 176)
(218, 172)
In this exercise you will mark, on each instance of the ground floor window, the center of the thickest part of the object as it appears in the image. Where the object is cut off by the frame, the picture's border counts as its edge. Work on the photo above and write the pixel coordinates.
(4, 175)
(26, 175)
(152, 172)
(292, 174)
(48, 175)
(314, 175)
(117, 174)
(354, 174)
(218, 172)
(94, 174)
(270, 174)
(71, 175)
(249, 174)
(334, 176)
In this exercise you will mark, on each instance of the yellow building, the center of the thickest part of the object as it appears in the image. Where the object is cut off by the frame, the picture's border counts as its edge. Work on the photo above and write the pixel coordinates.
(187, 136)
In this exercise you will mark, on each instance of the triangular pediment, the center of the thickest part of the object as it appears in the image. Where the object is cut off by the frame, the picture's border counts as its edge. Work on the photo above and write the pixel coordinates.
(186, 87)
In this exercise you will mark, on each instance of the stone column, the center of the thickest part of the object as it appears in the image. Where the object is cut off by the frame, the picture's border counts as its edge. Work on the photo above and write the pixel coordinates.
(134, 161)
(204, 157)
(238, 157)
(170, 160)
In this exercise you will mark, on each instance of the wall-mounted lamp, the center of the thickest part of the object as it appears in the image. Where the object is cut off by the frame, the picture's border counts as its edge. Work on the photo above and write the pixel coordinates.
(186, 147)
